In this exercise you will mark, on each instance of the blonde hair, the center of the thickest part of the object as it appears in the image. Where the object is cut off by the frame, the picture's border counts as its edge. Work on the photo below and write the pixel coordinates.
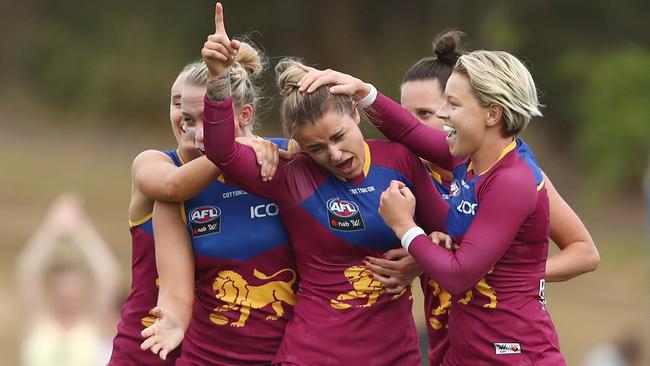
(189, 68)
(297, 108)
(500, 78)
(249, 65)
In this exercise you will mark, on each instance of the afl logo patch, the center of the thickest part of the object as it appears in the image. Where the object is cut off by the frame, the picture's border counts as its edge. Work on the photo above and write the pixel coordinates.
(454, 189)
(205, 220)
(344, 215)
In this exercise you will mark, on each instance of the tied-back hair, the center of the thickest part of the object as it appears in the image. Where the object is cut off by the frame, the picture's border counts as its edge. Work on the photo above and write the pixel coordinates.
(446, 49)
(298, 108)
(497, 77)
(191, 68)
(249, 65)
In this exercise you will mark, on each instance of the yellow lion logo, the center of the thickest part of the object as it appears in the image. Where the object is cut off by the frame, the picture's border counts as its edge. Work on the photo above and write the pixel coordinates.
(483, 288)
(363, 286)
(237, 294)
(148, 321)
(444, 298)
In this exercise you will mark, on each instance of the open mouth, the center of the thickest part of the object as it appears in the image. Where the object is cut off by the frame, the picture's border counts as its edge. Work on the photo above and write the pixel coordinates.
(452, 131)
(345, 166)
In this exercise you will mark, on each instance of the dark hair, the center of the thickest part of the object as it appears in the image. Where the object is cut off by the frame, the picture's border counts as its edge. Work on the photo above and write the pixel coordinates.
(447, 50)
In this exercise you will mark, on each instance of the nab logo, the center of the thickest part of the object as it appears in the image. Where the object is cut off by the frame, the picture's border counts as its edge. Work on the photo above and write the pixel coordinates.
(205, 220)
(454, 190)
(204, 214)
(344, 215)
(342, 208)
(467, 208)
(270, 209)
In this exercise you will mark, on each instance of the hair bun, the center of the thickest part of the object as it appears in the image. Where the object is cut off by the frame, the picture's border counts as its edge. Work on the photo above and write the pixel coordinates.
(447, 47)
(248, 63)
(288, 74)
(249, 59)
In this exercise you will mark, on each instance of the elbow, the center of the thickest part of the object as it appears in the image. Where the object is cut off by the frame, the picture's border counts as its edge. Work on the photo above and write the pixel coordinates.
(172, 191)
(454, 285)
(459, 284)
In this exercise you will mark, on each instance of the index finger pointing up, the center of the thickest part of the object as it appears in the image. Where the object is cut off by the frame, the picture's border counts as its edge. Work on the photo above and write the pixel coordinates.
(218, 19)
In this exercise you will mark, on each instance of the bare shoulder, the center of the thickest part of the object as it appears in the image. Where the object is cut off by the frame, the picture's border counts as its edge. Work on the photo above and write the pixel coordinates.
(147, 157)
(140, 204)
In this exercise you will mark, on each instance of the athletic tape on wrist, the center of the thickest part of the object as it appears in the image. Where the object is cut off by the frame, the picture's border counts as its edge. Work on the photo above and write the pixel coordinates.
(411, 234)
(370, 98)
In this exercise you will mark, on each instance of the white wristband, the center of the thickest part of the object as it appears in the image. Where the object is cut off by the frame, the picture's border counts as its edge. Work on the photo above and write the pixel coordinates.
(370, 98)
(411, 234)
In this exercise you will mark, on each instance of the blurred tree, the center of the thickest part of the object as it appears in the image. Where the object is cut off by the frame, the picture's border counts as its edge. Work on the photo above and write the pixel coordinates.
(614, 123)
(112, 62)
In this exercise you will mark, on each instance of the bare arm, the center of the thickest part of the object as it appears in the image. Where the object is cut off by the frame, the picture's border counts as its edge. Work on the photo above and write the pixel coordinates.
(30, 267)
(156, 176)
(578, 253)
(101, 262)
(175, 263)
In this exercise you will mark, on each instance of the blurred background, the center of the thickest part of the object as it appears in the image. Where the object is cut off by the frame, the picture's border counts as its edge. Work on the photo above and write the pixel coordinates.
(85, 86)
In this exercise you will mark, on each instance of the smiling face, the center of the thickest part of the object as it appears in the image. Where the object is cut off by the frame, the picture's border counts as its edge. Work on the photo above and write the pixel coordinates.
(423, 98)
(335, 142)
(464, 117)
(175, 106)
(192, 114)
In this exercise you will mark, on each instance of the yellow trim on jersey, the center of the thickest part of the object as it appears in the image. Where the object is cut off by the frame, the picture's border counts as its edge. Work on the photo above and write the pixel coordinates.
(366, 160)
(180, 157)
(434, 174)
(221, 179)
(511, 146)
(540, 185)
(141, 221)
(181, 205)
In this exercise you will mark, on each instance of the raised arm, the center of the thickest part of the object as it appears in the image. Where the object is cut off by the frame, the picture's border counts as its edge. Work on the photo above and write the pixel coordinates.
(398, 125)
(31, 262)
(61, 220)
(102, 263)
(175, 264)
(578, 253)
(504, 207)
(235, 159)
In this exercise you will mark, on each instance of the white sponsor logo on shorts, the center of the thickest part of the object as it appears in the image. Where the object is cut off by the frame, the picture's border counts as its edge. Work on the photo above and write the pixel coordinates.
(507, 348)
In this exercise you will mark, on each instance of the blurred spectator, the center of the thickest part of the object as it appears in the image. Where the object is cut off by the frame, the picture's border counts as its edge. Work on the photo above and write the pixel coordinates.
(66, 298)
(625, 351)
